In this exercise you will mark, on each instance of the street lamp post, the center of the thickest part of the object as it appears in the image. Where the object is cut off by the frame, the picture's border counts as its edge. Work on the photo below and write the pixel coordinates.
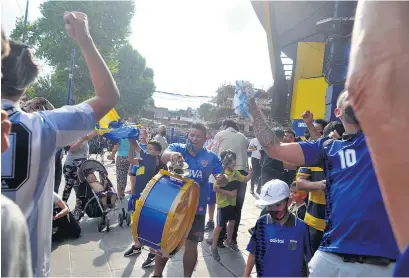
(70, 75)
(25, 23)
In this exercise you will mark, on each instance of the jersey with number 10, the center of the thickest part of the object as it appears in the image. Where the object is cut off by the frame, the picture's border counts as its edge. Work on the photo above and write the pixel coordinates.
(27, 167)
(356, 219)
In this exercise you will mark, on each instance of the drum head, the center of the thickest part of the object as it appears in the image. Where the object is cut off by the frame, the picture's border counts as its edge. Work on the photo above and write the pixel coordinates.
(180, 218)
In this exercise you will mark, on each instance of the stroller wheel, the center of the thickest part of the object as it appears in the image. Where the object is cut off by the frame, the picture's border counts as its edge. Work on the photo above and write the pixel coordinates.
(100, 225)
(107, 225)
(120, 220)
(128, 219)
(77, 214)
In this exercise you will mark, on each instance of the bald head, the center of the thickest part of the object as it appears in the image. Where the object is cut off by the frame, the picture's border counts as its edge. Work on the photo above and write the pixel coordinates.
(342, 99)
(162, 130)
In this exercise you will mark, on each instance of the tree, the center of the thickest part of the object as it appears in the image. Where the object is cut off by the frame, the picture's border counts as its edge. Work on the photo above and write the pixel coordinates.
(135, 82)
(109, 26)
(207, 111)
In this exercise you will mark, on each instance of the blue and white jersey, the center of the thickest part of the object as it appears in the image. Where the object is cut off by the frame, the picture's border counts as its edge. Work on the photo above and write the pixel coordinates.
(201, 166)
(356, 218)
(27, 168)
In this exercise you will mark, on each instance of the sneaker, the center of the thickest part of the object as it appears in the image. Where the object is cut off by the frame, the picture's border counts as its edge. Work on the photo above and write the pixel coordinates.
(150, 260)
(209, 226)
(252, 192)
(220, 245)
(215, 254)
(209, 241)
(133, 251)
(232, 246)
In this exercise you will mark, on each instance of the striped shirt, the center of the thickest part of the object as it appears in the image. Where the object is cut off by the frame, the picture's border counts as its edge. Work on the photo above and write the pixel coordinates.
(27, 168)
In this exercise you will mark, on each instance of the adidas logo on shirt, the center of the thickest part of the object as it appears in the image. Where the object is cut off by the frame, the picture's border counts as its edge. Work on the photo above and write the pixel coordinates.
(276, 240)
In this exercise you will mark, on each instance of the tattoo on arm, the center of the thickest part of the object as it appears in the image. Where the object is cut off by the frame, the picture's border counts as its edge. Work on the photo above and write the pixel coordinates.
(263, 132)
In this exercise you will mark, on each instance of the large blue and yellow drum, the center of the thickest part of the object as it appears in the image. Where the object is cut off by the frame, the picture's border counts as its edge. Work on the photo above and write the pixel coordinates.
(165, 212)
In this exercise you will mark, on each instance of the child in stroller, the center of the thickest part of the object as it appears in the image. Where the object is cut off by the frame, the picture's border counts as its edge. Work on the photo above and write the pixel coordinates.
(95, 196)
(102, 191)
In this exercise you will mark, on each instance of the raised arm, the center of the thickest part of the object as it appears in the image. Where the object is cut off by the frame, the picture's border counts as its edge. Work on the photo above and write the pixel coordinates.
(291, 153)
(106, 91)
(308, 118)
(134, 146)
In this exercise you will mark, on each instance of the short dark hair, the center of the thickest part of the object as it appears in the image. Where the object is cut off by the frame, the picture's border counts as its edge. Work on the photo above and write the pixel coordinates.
(293, 184)
(279, 132)
(200, 126)
(227, 152)
(321, 122)
(289, 130)
(156, 145)
(18, 70)
(307, 134)
(335, 125)
(230, 123)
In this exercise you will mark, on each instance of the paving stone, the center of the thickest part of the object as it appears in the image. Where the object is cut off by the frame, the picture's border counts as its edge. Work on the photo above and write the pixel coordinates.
(117, 260)
(208, 267)
(120, 240)
(90, 242)
(60, 262)
(235, 262)
(94, 274)
(88, 262)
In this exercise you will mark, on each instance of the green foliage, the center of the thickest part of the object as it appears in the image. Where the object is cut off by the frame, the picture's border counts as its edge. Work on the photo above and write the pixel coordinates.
(207, 112)
(110, 26)
(134, 80)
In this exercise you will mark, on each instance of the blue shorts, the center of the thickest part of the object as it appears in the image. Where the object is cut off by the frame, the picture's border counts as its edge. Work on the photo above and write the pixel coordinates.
(211, 199)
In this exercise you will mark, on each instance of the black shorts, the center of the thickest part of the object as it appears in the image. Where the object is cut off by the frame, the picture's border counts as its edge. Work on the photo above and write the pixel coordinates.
(226, 214)
(197, 231)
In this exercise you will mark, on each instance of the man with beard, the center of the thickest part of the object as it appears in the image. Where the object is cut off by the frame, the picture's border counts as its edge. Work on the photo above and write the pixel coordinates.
(161, 137)
(358, 239)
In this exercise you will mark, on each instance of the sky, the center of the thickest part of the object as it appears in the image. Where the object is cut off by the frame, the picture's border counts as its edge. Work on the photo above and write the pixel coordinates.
(192, 46)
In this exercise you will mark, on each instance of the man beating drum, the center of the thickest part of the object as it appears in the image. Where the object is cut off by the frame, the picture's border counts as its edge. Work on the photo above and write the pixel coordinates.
(202, 163)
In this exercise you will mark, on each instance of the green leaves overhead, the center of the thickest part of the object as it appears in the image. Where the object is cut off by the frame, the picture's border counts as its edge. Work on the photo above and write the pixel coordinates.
(110, 28)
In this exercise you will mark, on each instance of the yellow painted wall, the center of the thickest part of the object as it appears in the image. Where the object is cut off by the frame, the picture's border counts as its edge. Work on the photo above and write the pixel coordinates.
(310, 56)
(310, 96)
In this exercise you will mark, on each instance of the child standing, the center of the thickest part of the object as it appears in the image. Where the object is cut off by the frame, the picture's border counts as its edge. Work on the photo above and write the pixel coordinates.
(298, 206)
(279, 245)
(148, 165)
(226, 201)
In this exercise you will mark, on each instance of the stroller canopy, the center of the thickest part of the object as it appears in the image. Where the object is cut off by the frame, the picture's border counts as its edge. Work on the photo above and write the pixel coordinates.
(90, 166)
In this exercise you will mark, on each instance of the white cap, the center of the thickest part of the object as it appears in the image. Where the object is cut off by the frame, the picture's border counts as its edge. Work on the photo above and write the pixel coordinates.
(273, 192)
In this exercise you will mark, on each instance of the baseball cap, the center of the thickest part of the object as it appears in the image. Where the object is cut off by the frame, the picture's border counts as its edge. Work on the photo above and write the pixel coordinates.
(273, 192)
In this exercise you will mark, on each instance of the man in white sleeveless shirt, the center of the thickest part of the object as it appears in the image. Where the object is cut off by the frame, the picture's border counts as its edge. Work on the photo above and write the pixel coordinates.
(28, 166)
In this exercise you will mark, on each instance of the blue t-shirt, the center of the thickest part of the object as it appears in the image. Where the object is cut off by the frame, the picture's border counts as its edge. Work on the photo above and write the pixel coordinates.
(145, 172)
(280, 251)
(201, 166)
(135, 167)
(123, 147)
(402, 265)
(356, 219)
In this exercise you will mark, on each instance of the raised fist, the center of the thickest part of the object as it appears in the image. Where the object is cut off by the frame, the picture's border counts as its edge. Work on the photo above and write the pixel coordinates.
(76, 25)
(307, 116)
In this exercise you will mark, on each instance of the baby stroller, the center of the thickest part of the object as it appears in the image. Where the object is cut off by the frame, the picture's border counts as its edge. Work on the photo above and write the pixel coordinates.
(89, 203)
